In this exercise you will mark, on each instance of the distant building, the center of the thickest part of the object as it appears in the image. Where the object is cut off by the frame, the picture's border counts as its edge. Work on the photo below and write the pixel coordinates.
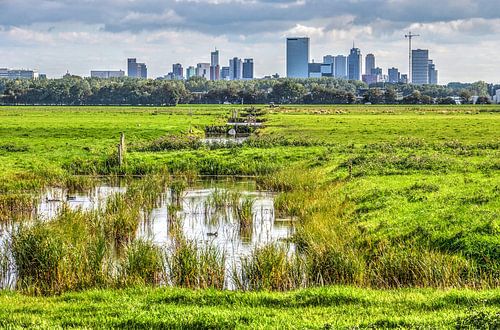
(190, 72)
(318, 70)
(18, 74)
(369, 63)
(496, 97)
(420, 66)
(235, 69)
(178, 71)
(297, 57)
(354, 63)
(314, 70)
(214, 65)
(136, 70)
(330, 60)
(394, 75)
(404, 79)
(106, 74)
(224, 73)
(248, 68)
(340, 67)
(203, 70)
(433, 73)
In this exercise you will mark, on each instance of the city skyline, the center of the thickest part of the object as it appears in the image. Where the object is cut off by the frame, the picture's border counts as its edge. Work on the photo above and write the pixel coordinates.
(81, 37)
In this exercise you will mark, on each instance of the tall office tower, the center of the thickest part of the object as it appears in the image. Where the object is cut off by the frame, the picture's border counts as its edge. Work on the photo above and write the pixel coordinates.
(369, 63)
(136, 70)
(420, 66)
(203, 70)
(340, 66)
(235, 69)
(329, 59)
(224, 73)
(394, 75)
(214, 65)
(433, 73)
(142, 71)
(248, 68)
(132, 67)
(297, 57)
(178, 71)
(190, 72)
(404, 79)
(354, 63)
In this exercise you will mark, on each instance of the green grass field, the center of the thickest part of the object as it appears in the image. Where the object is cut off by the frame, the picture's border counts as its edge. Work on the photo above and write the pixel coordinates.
(386, 197)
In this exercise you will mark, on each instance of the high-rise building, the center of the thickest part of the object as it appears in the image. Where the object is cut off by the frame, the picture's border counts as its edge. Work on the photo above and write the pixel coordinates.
(18, 74)
(203, 70)
(433, 73)
(132, 67)
(420, 66)
(224, 73)
(369, 63)
(248, 68)
(340, 69)
(376, 71)
(136, 70)
(106, 74)
(214, 65)
(190, 72)
(235, 69)
(297, 57)
(394, 76)
(330, 60)
(178, 71)
(354, 63)
(404, 79)
(314, 70)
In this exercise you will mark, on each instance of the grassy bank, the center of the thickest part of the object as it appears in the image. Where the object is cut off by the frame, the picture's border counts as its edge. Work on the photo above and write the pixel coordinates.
(334, 307)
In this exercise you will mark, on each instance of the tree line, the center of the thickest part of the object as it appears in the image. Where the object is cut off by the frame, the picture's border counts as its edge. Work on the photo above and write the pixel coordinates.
(74, 90)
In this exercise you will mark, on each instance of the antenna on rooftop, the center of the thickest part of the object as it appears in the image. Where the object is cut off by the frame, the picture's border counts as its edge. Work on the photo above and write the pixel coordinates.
(410, 36)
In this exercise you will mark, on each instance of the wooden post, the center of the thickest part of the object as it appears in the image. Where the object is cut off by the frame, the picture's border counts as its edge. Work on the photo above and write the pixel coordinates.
(121, 149)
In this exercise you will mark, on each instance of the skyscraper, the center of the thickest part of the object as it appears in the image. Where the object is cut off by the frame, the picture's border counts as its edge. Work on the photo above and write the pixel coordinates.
(190, 72)
(248, 68)
(297, 57)
(235, 69)
(136, 70)
(354, 63)
(214, 65)
(433, 73)
(420, 66)
(330, 60)
(224, 73)
(394, 76)
(203, 70)
(369, 63)
(178, 71)
(340, 67)
(132, 67)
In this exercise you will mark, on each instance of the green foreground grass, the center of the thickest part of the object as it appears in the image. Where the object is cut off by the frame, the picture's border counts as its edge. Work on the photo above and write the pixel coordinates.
(333, 307)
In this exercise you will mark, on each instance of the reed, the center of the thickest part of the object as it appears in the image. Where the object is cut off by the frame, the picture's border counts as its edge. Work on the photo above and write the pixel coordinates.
(143, 264)
(270, 268)
(195, 267)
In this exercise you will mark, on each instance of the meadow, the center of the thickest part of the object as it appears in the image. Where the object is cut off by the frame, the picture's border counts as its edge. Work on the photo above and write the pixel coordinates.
(397, 205)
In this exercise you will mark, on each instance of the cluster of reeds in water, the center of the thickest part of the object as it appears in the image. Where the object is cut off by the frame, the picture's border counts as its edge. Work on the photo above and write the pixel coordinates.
(79, 250)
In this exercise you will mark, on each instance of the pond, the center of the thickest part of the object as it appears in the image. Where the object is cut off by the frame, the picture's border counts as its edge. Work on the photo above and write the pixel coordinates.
(200, 221)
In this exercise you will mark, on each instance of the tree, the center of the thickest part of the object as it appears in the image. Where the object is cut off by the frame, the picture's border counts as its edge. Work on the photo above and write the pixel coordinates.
(465, 96)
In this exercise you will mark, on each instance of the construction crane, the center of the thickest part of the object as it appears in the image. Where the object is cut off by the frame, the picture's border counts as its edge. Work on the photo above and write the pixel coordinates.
(410, 36)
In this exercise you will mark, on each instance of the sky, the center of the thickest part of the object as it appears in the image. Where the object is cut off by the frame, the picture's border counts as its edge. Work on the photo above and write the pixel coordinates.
(54, 36)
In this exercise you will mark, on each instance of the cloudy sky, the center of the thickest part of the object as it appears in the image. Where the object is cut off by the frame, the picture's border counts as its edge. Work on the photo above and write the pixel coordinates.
(463, 36)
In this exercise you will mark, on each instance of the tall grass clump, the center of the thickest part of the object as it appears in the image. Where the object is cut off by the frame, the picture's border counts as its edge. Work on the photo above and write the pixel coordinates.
(194, 267)
(270, 268)
(16, 206)
(143, 264)
(244, 214)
